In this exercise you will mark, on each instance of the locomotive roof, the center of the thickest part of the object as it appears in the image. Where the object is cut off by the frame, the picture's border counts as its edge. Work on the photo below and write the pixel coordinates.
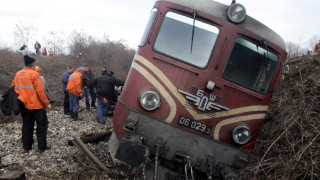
(218, 10)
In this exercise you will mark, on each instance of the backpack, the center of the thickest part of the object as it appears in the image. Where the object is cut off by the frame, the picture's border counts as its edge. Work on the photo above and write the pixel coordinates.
(10, 103)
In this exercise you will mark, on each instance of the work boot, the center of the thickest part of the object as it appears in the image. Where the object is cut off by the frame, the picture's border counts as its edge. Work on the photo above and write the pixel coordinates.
(67, 113)
(77, 117)
(42, 150)
(110, 114)
(71, 115)
(26, 151)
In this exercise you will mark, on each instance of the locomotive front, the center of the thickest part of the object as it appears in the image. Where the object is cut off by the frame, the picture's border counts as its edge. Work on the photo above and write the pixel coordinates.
(197, 91)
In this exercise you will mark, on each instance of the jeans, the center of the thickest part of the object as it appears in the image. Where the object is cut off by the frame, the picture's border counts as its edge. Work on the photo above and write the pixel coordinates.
(92, 92)
(103, 109)
(74, 103)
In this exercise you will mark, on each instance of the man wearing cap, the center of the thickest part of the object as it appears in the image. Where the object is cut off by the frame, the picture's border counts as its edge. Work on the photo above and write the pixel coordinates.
(75, 93)
(32, 100)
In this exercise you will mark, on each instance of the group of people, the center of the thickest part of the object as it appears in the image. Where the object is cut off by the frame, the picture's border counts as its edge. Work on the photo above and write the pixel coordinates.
(101, 88)
(44, 52)
(33, 98)
(37, 47)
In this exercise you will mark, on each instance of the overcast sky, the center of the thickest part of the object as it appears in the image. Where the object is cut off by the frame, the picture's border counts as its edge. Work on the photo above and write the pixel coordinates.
(294, 20)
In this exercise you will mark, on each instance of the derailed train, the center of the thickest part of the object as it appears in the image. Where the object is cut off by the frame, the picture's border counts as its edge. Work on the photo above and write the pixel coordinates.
(197, 92)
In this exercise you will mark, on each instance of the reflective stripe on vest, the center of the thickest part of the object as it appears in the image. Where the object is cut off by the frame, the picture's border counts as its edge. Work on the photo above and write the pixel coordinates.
(72, 77)
(25, 87)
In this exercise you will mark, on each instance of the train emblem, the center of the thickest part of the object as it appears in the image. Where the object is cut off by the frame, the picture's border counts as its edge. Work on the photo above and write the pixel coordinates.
(202, 102)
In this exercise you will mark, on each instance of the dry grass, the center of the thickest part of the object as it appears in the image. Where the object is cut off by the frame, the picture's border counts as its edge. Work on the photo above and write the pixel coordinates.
(289, 142)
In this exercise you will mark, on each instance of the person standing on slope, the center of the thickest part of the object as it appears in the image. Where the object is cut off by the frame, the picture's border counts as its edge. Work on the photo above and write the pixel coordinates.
(32, 100)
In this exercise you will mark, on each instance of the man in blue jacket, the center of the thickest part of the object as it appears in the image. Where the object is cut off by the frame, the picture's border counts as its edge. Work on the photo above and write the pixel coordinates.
(65, 77)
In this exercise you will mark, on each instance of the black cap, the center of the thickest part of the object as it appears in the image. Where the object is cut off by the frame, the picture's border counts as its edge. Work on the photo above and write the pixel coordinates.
(28, 60)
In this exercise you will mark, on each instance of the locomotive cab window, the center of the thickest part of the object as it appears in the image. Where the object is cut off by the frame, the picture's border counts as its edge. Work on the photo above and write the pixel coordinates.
(147, 30)
(186, 39)
(251, 66)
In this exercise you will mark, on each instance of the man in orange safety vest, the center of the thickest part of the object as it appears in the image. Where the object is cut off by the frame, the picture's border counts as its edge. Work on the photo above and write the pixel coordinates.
(75, 93)
(32, 100)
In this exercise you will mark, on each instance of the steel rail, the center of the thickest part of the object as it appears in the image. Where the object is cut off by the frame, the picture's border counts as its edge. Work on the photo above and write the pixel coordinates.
(92, 158)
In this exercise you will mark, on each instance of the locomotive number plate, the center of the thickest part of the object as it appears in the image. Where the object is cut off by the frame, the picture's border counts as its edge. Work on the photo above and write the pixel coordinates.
(190, 123)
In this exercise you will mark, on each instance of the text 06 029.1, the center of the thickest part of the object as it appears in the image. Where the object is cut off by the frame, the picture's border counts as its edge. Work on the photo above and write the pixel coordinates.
(190, 123)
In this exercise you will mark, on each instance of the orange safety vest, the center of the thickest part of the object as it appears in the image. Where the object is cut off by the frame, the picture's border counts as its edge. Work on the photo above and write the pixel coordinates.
(28, 85)
(50, 52)
(44, 51)
(74, 83)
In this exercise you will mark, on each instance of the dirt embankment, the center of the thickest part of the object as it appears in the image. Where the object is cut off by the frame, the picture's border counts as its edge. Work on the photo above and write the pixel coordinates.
(52, 69)
(288, 146)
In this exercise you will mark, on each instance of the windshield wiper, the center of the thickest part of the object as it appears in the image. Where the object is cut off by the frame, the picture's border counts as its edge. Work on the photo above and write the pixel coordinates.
(194, 20)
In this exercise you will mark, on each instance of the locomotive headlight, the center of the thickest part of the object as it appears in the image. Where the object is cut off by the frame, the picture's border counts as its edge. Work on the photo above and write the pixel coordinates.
(150, 100)
(236, 13)
(241, 134)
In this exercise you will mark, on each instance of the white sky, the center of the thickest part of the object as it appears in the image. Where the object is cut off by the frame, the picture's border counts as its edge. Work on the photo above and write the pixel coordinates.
(295, 20)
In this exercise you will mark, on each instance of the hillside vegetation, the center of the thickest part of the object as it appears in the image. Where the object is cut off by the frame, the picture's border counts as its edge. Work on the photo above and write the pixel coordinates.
(114, 56)
(288, 146)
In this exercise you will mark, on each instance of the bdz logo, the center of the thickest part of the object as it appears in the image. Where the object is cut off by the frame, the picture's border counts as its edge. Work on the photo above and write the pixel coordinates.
(204, 103)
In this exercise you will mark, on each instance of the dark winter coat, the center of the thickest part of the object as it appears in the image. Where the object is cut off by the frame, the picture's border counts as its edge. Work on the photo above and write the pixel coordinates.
(87, 79)
(10, 103)
(105, 86)
(37, 45)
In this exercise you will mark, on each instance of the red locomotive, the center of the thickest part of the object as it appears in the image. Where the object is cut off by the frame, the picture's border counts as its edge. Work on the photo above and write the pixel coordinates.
(197, 92)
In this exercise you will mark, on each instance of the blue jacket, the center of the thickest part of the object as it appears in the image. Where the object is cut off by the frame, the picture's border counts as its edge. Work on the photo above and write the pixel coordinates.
(65, 77)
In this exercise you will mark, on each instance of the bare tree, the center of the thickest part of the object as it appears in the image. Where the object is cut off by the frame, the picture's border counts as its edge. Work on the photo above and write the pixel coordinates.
(56, 41)
(79, 42)
(115, 55)
(23, 32)
(296, 49)
(313, 41)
